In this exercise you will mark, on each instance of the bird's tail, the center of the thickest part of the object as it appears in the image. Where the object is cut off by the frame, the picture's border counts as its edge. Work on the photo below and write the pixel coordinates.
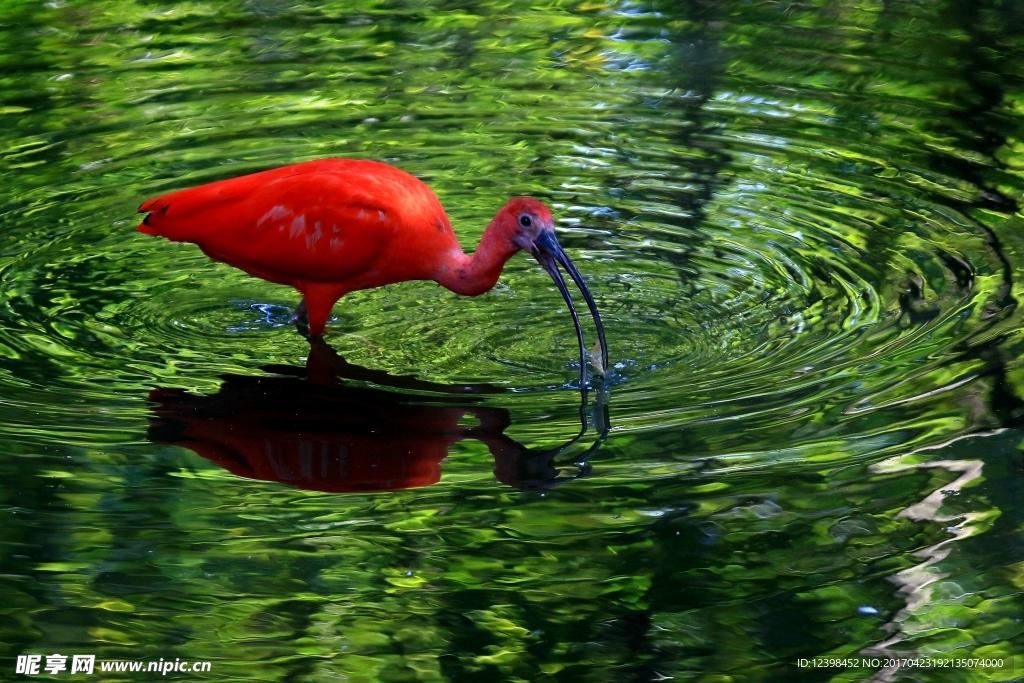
(154, 208)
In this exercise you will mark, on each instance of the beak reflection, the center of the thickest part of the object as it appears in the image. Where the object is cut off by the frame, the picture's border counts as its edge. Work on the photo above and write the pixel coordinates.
(550, 254)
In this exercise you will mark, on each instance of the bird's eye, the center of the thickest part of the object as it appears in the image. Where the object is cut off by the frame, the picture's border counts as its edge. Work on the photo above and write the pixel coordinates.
(525, 221)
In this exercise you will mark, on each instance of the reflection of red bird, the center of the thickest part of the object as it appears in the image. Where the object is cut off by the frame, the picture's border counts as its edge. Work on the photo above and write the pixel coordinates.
(313, 437)
(324, 434)
(334, 226)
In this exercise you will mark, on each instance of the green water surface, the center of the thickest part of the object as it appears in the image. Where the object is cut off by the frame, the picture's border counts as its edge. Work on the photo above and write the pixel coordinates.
(802, 224)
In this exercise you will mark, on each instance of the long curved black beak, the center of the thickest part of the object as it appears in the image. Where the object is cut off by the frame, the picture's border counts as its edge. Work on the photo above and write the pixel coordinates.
(550, 254)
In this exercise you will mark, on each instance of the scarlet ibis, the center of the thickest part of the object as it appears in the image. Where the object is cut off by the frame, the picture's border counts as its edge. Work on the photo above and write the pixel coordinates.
(334, 226)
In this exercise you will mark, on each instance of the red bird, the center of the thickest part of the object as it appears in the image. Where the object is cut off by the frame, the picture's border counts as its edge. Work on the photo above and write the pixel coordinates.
(334, 226)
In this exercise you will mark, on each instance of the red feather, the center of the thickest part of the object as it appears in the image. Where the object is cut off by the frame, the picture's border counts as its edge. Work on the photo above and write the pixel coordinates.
(325, 227)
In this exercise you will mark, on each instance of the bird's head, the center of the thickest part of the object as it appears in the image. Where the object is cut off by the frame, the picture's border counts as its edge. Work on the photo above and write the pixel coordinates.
(528, 225)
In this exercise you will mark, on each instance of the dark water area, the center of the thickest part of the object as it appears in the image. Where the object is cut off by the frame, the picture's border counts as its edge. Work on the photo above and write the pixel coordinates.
(803, 226)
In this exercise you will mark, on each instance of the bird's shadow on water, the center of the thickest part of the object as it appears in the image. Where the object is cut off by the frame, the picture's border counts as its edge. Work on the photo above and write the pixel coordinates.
(322, 428)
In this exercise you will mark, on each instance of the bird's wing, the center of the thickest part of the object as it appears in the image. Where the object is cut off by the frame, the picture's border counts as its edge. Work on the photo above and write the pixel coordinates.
(311, 222)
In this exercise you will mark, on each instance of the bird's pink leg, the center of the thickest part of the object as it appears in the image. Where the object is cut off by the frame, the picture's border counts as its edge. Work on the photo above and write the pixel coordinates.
(320, 299)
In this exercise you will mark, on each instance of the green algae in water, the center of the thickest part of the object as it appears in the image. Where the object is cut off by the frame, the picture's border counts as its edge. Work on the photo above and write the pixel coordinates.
(802, 226)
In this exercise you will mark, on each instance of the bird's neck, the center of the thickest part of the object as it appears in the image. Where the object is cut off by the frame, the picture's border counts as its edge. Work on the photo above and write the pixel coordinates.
(476, 274)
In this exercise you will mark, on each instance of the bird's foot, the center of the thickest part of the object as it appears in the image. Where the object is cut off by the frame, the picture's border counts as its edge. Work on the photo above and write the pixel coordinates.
(301, 318)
